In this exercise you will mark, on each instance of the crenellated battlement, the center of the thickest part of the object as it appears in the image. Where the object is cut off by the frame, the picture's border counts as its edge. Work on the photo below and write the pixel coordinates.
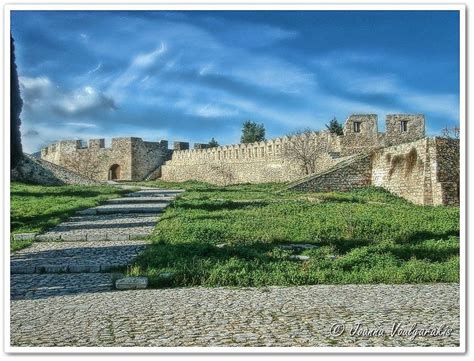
(97, 144)
(401, 159)
(360, 134)
(258, 151)
(127, 158)
(132, 158)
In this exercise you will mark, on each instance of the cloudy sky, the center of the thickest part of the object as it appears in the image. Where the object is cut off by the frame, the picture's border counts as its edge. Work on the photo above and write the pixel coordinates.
(195, 75)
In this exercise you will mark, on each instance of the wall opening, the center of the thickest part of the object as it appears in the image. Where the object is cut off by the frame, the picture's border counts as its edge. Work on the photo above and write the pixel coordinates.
(356, 127)
(114, 172)
(404, 126)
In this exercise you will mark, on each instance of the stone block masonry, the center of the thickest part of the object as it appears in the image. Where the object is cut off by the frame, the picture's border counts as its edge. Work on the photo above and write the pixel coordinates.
(402, 160)
(246, 163)
(424, 172)
(265, 162)
(127, 159)
(352, 173)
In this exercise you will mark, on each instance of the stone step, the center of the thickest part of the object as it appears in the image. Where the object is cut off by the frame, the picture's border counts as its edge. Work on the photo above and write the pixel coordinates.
(135, 200)
(125, 208)
(75, 257)
(155, 193)
(90, 237)
(159, 196)
(106, 227)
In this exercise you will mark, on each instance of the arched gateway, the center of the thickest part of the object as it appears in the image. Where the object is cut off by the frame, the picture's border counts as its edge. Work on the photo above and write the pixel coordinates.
(114, 172)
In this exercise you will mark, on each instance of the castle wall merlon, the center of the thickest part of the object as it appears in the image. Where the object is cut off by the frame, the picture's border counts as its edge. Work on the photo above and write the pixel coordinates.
(96, 143)
(402, 128)
(181, 145)
(357, 124)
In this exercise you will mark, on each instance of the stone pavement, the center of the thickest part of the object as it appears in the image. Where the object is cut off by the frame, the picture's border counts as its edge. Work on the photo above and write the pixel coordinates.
(98, 239)
(269, 316)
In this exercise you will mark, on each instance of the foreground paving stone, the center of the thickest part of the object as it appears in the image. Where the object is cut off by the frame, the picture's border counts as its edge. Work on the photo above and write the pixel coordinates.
(299, 257)
(45, 257)
(269, 316)
(131, 283)
(24, 236)
(38, 286)
(298, 246)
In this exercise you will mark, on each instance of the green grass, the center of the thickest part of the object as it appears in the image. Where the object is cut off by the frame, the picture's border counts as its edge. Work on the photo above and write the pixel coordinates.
(229, 236)
(35, 208)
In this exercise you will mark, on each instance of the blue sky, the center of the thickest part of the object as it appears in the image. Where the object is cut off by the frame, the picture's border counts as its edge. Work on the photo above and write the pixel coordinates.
(195, 75)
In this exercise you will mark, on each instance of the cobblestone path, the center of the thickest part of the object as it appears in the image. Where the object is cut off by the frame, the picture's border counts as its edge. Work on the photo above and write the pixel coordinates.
(273, 316)
(96, 240)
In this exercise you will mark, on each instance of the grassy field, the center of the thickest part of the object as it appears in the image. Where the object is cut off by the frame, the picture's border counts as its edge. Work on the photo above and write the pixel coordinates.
(231, 236)
(35, 208)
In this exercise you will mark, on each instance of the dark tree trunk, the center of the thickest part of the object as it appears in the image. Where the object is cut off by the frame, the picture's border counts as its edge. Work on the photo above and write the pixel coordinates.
(15, 109)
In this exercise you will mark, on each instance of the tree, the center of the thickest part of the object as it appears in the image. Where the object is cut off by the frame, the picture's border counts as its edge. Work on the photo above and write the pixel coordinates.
(213, 143)
(85, 163)
(450, 133)
(335, 127)
(302, 149)
(15, 109)
(252, 132)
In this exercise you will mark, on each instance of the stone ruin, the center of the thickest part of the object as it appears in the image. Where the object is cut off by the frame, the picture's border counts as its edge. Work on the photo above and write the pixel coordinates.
(401, 159)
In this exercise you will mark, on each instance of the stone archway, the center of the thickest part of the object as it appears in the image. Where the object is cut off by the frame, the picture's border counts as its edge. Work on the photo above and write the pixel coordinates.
(114, 172)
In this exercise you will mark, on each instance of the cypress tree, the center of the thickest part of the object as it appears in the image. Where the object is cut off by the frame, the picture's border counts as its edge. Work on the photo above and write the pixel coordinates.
(15, 109)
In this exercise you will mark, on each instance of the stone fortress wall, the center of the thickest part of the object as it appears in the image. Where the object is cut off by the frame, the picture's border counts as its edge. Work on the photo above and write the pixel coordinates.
(126, 159)
(263, 161)
(401, 159)
(425, 171)
(245, 163)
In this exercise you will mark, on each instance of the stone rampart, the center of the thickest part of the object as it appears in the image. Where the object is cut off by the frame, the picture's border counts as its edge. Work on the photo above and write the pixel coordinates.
(126, 159)
(247, 163)
(422, 170)
(425, 171)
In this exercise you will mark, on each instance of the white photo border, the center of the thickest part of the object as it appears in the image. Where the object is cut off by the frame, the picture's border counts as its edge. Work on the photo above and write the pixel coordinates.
(234, 5)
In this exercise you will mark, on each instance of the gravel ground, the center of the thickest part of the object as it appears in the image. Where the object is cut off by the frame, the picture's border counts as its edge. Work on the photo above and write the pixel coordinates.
(273, 316)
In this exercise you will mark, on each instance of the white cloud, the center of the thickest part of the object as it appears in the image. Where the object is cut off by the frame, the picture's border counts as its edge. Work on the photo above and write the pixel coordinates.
(406, 99)
(84, 37)
(213, 110)
(250, 34)
(41, 96)
(445, 105)
(35, 83)
(33, 89)
(372, 84)
(97, 68)
(82, 125)
(205, 69)
(83, 101)
(147, 59)
(136, 71)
